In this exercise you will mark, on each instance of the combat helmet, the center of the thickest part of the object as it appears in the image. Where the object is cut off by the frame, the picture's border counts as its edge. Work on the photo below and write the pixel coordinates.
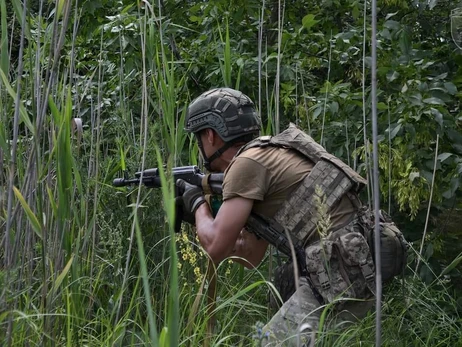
(229, 112)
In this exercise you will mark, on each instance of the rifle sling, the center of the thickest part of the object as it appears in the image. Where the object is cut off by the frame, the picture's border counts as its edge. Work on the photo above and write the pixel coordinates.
(205, 185)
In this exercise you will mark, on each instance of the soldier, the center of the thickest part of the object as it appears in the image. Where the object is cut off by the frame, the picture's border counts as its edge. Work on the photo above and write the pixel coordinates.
(307, 206)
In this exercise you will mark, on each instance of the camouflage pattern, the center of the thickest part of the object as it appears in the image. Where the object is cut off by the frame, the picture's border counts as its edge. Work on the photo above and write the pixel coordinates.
(330, 174)
(341, 265)
(283, 280)
(298, 213)
(296, 321)
(338, 265)
(394, 247)
(230, 113)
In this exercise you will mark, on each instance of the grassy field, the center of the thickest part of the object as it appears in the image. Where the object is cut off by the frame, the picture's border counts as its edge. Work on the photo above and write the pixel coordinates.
(83, 263)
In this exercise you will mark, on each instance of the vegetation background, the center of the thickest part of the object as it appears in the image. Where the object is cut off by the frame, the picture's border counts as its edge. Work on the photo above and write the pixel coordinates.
(91, 88)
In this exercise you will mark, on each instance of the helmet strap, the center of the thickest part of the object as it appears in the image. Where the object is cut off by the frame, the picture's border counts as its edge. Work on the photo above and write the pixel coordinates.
(217, 154)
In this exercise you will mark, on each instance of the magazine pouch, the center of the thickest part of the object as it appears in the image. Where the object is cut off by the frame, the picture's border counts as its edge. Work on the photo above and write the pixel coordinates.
(341, 266)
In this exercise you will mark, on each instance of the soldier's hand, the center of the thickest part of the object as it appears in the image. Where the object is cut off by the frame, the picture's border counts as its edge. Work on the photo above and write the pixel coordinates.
(192, 197)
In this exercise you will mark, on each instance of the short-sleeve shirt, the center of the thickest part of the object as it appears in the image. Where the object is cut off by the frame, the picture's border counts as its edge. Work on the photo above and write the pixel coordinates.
(268, 176)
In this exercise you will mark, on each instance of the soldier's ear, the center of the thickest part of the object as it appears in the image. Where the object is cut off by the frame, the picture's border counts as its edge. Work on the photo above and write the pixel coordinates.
(211, 136)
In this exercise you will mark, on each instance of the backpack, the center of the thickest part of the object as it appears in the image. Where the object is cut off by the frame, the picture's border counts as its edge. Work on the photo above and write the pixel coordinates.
(393, 246)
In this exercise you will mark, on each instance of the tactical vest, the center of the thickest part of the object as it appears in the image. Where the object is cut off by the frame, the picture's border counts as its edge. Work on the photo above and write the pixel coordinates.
(336, 179)
(339, 263)
(293, 228)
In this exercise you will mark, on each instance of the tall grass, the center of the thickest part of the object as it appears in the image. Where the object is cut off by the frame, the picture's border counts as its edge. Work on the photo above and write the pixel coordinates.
(84, 263)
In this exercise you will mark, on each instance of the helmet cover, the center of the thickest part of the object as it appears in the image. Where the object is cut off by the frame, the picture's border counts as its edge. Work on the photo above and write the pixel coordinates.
(229, 112)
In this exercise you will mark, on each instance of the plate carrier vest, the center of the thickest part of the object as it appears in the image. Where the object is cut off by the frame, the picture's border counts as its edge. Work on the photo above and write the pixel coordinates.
(293, 227)
(335, 178)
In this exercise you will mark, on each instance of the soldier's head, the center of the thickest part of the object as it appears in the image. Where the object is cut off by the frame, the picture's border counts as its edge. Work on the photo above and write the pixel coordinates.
(225, 113)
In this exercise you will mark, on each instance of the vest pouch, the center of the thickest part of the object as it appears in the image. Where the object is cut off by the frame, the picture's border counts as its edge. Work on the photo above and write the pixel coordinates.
(357, 261)
(393, 246)
(393, 251)
(326, 271)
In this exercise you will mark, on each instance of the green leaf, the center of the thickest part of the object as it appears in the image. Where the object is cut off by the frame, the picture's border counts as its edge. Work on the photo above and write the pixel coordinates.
(392, 24)
(308, 21)
(32, 217)
(334, 107)
(392, 75)
(355, 12)
(405, 42)
(459, 169)
(382, 106)
(415, 99)
(63, 274)
(317, 112)
(443, 156)
(60, 7)
(455, 136)
(454, 186)
(439, 77)
(438, 116)
(395, 131)
(389, 15)
(163, 338)
(453, 265)
(457, 147)
(413, 175)
(22, 110)
(4, 61)
(429, 251)
(4, 142)
(433, 101)
(451, 88)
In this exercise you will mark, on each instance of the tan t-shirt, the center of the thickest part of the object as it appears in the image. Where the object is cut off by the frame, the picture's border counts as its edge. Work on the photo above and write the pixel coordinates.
(268, 176)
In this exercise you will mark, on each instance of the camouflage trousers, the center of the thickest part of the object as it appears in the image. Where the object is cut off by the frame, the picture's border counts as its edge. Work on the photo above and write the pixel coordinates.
(296, 321)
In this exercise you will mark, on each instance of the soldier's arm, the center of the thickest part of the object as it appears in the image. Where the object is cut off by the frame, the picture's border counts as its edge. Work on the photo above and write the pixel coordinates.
(221, 237)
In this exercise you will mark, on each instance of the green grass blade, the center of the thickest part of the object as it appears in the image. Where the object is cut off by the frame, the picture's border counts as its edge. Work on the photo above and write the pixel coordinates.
(4, 59)
(62, 275)
(146, 287)
(227, 56)
(22, 110)
(3, 140)
(168, 196)
(18, 10)
(225, 65)
(452, 266)
(30, 215)
(122, 156)
(53, 205)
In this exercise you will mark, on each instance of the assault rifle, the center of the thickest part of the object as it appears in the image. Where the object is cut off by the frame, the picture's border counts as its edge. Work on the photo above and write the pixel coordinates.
(211, 184)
